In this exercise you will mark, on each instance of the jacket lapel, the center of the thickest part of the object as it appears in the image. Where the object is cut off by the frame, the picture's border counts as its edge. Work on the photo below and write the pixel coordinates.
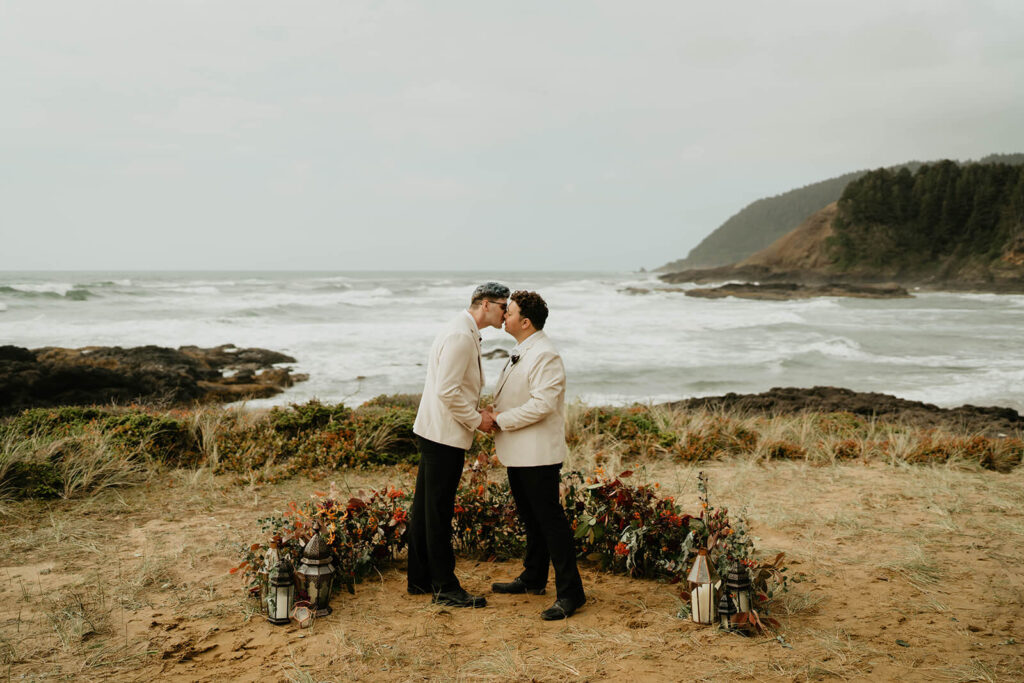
(505, 372)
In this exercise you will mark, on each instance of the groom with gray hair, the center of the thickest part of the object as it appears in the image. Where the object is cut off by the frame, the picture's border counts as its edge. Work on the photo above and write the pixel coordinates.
(445, 426)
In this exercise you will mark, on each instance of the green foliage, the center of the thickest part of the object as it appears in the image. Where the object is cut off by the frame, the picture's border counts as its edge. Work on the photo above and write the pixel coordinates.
(162, 437)
(306, 417)
(53, 422)
(32, 480)
(410, 401)
(485, 521)
(762, 222)
(1001, 454)
(933, 221)
(626, 529)
(634, 429)
(364, 533)
(315, 439)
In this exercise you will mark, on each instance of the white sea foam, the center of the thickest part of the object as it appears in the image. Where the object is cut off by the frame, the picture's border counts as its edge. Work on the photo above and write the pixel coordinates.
(61, 288)
(358, 335)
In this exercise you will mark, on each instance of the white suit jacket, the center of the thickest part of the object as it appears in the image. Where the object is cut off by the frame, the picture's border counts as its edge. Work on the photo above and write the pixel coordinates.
(455, 377)
(530, 397)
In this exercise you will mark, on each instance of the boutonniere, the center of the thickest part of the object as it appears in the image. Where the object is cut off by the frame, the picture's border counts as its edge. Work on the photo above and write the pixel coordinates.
(514, 358)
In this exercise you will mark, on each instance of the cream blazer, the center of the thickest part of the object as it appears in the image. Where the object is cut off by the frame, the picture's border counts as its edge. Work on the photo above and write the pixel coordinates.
(530, 397)
(451, 394)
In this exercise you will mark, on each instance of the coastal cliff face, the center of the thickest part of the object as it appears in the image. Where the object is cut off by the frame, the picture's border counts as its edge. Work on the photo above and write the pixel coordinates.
(146, 374)
(943, 227)
(762, 222)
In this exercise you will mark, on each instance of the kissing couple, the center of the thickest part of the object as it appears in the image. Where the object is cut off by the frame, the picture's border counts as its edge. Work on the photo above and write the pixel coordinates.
(527, 420)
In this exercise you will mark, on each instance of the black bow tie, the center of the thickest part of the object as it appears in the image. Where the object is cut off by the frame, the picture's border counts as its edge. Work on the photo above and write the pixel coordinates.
(514, 358)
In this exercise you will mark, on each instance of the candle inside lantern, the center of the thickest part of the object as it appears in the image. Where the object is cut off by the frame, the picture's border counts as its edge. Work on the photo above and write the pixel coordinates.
(702, 603)
(743, 601)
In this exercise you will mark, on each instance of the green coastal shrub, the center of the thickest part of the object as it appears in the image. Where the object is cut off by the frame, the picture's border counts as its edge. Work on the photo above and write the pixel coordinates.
(160, 436)
(31, 480)
(999, 454)
(714, 438)
(306, 417)
(53, 422)
(408, 401)
(315, 439)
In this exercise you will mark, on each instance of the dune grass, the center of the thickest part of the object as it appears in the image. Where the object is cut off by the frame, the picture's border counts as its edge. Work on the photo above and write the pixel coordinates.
(69, 452)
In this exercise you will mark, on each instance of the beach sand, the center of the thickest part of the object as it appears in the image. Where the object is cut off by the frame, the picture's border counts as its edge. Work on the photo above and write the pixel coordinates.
(911, 572)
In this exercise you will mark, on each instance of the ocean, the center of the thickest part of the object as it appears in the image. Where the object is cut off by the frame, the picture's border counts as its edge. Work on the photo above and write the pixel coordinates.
(360, 334)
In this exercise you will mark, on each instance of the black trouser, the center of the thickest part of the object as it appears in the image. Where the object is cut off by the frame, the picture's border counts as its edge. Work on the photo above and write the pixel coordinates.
(431, 558)
(548, 537)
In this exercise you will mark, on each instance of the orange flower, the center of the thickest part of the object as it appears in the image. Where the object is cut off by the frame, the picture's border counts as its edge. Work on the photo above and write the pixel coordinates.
(622, 549)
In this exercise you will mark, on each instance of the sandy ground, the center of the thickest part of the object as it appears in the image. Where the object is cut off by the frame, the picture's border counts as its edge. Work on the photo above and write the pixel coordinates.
(912, 573)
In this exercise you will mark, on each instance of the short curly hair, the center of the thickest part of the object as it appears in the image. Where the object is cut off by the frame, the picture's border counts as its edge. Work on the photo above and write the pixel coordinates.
(531, 306)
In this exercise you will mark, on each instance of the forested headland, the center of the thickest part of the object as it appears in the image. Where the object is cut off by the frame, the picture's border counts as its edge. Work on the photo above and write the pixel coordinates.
(943, 220)
(762, 222)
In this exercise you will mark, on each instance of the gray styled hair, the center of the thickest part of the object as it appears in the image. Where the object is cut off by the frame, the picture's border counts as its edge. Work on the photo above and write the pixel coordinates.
(489, 290)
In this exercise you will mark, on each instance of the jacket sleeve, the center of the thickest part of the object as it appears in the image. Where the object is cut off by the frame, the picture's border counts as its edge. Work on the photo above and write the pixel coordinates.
(547, 382)
(458, 352)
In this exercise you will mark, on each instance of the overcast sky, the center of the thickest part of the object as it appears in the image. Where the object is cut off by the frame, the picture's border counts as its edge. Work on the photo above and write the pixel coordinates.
(466, 135)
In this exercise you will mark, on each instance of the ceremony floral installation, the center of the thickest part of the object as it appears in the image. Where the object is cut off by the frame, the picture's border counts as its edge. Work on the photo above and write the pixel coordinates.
(624, 528)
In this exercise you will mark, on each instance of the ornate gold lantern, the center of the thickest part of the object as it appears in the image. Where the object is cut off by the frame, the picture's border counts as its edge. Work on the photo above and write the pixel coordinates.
(317, 572)
(703, 579)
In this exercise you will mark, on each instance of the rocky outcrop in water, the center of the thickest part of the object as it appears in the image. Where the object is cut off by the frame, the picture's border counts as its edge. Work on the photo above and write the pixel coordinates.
(785, 291)
(991, 421)
(53, 376)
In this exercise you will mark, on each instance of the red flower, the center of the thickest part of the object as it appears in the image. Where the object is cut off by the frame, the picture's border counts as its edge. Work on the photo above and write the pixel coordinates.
(622, 549)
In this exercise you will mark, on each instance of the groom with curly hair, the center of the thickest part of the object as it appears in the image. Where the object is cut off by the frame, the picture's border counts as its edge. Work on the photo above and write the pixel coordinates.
(529, 414)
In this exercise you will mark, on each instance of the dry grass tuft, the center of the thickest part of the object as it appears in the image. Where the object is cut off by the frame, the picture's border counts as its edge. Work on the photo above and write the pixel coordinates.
(921, 571)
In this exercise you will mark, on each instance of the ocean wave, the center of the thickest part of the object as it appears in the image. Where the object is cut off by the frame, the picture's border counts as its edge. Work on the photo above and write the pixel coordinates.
(836, 347)
(47, 291)
(58, 288)
(986, 388)
(195, 289)
(110, 283)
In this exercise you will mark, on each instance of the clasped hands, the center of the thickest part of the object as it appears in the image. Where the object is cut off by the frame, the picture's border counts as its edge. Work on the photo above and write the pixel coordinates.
(488, 423)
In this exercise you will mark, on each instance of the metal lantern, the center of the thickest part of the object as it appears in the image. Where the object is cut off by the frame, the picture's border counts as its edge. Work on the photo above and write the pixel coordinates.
(280, 593)
(737, 584)
(725, 611)
(317, 572)
(270, 558)
(703, 580)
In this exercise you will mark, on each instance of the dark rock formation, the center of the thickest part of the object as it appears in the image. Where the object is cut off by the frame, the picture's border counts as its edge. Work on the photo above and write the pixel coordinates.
(639, 291)
(784, 291)
(992, 421)
(53, 376)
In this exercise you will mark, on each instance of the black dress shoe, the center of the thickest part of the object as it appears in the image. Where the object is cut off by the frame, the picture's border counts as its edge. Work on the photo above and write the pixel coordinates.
(460, 598)
(562, 609)
(516, 585)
